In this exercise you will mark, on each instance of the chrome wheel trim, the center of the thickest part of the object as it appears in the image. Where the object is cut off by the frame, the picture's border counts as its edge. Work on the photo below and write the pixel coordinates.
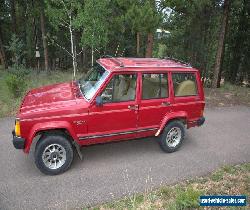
(173, 137)
(54, 156)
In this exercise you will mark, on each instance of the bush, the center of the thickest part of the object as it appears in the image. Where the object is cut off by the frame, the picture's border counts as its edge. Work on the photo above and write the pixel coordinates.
(16, 80)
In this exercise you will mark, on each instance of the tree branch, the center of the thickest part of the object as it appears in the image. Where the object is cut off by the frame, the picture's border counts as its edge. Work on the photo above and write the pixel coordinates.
(63, 48)
(66, 9)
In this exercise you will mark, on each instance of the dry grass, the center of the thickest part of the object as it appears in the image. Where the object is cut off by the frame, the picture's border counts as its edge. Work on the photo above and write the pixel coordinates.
(229, 180)
(9, 104)
(227, 95)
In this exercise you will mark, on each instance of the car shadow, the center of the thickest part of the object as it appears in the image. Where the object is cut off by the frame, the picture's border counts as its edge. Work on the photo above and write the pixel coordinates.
(128, 150)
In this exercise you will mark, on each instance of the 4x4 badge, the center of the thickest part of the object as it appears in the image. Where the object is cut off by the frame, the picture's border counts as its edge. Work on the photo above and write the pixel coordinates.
(79, 122)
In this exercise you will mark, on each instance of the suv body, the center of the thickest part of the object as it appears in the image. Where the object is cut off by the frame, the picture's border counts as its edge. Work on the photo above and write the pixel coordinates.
(123, 98)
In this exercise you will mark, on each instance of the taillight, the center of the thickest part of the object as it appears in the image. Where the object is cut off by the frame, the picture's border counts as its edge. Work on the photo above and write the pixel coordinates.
(202, 111)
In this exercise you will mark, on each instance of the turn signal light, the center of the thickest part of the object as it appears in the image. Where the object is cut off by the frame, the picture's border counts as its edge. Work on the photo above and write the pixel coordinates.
(17, 128)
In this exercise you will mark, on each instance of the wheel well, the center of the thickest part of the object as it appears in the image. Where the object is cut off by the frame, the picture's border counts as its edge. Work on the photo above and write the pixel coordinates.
(59, 131)
(181, 119)
(40, 134)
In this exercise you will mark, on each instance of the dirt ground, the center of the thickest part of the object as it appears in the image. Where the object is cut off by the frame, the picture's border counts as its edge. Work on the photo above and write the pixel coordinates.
(227, 96)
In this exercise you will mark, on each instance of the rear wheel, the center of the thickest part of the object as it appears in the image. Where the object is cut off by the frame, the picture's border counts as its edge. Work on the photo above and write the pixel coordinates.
(172, 136)
(53, 154)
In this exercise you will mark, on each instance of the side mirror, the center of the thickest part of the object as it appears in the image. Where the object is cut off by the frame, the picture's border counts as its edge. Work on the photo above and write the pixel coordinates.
(99, 101)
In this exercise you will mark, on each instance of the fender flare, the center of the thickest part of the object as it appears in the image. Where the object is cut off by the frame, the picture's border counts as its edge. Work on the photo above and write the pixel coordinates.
(38, 127)
(170, 116)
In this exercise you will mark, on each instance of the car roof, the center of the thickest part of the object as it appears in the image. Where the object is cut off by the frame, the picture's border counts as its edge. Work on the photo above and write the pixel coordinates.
(142, 64)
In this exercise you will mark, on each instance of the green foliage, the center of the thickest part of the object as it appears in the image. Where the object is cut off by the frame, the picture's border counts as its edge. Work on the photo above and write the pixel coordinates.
(161, 51)
(16, 80)
(60, 13)
(193, 27)
(188, 198)
(10, 104)
(229, 169)
(16, 48)
(110, 27)
(217, 176)
(142, 16)
(94, 20)
(237, 48)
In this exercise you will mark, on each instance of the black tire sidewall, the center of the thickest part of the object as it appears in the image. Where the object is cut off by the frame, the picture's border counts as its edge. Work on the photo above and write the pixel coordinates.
(53, 139)
(163, 143)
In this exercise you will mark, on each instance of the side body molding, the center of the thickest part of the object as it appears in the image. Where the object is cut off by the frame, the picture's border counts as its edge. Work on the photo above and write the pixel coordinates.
(48, 126)
(170, 116)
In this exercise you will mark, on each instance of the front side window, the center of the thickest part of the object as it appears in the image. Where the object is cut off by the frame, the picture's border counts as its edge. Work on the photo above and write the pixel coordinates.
(154, 86)
(121, 87)
(92, 81)
(184, 84)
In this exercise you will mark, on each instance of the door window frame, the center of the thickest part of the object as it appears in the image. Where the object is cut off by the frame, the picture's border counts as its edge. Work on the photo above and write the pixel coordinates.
(111, 76)
(155, 72)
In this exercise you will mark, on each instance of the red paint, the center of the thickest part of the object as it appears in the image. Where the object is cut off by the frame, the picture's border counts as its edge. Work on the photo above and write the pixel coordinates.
(61, 106)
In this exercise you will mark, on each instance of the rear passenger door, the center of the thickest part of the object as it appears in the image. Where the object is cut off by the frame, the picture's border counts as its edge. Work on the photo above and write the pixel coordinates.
(154, 101)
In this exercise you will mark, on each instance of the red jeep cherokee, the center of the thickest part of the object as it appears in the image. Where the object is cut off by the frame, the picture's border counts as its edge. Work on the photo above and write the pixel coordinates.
(119, 99)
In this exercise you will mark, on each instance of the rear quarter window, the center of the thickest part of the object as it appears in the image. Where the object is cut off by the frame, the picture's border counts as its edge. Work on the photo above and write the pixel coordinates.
(184, 84)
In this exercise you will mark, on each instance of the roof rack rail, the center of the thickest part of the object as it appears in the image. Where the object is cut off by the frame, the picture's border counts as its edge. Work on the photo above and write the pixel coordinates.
(179, 61)
(120, 63)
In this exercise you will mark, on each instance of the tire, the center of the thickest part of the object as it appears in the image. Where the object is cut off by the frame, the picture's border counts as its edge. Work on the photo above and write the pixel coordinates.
(172, 136)
(54, 154)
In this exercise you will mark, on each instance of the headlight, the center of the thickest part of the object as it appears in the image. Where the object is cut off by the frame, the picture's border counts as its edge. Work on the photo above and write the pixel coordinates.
(17, 128)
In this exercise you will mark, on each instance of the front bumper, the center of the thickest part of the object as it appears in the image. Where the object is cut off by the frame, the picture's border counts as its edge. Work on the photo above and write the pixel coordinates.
(18, 142)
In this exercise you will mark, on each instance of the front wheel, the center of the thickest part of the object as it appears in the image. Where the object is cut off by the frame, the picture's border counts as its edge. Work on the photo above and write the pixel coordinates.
(172, 136)
(53, 154)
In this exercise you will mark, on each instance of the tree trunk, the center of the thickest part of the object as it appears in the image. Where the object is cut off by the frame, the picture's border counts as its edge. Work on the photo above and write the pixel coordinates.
(138, 44)
(45, 47)
(220, 71)
(2, 55)
(13, 16)
(72, 49)
(236, 54)
(149, 50)
(82, 57)
(217, 67)
(2, 52)
(92, 56)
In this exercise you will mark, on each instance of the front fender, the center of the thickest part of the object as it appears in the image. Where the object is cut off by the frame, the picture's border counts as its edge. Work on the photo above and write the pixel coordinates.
(170, 116)
(48, 126)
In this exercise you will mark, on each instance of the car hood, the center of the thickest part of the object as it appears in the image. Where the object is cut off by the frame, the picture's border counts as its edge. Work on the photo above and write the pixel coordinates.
(50, 97)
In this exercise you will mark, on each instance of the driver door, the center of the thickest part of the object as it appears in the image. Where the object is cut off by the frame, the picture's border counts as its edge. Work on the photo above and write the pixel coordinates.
(116, 119)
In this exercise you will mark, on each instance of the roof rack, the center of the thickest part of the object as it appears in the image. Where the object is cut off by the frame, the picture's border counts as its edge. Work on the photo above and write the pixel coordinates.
(120, 63)
(179, 61)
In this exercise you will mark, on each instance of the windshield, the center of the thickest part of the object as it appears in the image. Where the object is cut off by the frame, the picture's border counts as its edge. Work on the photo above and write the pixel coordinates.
(91, 82)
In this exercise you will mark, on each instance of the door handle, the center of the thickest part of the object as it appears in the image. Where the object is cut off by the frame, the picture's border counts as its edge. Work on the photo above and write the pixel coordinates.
(133, 107)
(165, 103)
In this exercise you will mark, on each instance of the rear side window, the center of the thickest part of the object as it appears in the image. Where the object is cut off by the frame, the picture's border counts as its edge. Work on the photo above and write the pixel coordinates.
(184, 84)
(154, 86)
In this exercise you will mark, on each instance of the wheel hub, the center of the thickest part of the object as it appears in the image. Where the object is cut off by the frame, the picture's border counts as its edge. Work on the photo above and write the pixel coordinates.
(54, 156)
(173, 137)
